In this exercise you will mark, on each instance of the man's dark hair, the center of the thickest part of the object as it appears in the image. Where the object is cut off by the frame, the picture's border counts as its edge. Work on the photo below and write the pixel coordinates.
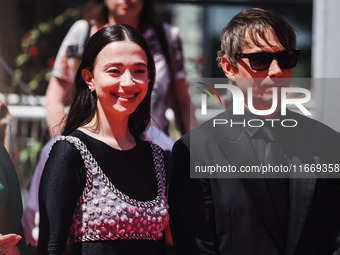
(253, 22)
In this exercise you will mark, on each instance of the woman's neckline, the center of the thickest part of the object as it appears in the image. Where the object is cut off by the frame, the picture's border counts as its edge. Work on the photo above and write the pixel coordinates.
(108, 145)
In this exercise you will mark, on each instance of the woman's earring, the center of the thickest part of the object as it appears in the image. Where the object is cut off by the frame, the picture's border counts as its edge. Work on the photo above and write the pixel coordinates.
(91, 89)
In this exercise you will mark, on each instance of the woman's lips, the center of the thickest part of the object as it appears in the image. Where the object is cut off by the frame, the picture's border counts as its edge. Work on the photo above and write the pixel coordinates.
(125, 96)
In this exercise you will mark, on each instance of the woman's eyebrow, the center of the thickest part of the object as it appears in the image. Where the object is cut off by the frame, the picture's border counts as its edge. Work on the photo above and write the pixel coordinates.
(121, 64)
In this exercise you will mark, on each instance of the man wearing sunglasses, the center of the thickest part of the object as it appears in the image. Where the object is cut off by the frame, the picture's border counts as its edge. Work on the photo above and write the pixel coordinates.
(237, 214)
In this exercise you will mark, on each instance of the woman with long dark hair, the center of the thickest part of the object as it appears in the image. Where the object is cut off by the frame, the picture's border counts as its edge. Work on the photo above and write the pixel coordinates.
(170, 85)
(103, 187)
(166, 48)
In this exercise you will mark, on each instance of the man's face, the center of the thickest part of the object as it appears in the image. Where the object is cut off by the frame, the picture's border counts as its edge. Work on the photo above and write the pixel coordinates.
(261, 82)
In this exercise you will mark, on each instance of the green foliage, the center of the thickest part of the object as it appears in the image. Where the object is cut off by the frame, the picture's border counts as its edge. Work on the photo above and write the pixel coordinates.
(27, 161)
(39, 47)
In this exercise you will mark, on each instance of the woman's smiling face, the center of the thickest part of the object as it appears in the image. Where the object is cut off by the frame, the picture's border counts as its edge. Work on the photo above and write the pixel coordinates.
(120, 78)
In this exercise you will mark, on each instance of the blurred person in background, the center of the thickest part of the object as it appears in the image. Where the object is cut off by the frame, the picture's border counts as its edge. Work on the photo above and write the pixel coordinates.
(12, 240)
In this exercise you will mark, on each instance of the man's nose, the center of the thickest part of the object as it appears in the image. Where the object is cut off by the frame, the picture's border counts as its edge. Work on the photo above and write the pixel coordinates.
(275, 70)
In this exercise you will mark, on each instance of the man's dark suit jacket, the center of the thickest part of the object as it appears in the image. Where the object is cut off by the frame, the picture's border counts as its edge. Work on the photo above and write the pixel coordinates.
(236, 215)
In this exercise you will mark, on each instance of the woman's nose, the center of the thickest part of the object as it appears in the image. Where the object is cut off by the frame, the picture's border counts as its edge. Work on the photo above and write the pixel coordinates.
(127, 79)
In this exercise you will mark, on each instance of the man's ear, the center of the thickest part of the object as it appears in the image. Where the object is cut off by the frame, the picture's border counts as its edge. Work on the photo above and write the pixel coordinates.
(88, 78)
(228, 69)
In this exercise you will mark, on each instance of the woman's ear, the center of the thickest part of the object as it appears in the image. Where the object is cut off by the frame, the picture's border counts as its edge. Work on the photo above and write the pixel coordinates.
(229, 70)
(88, 78)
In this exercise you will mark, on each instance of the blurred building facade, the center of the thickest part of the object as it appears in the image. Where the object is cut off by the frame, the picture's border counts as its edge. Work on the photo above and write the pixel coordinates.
(325, 64)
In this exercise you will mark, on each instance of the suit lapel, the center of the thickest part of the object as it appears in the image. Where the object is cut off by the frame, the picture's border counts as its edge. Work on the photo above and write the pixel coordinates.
(302, 192)
(238, 148)
(302, 185)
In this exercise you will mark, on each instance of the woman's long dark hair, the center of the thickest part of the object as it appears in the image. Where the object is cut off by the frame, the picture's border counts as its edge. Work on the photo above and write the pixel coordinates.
(84, 102)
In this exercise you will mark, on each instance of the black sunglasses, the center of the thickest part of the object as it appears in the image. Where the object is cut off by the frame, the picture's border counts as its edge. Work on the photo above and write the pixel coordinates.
(261, 60)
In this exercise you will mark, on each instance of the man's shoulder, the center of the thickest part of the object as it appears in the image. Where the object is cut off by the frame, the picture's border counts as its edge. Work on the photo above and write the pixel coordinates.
(208, 131)
(312, 126)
